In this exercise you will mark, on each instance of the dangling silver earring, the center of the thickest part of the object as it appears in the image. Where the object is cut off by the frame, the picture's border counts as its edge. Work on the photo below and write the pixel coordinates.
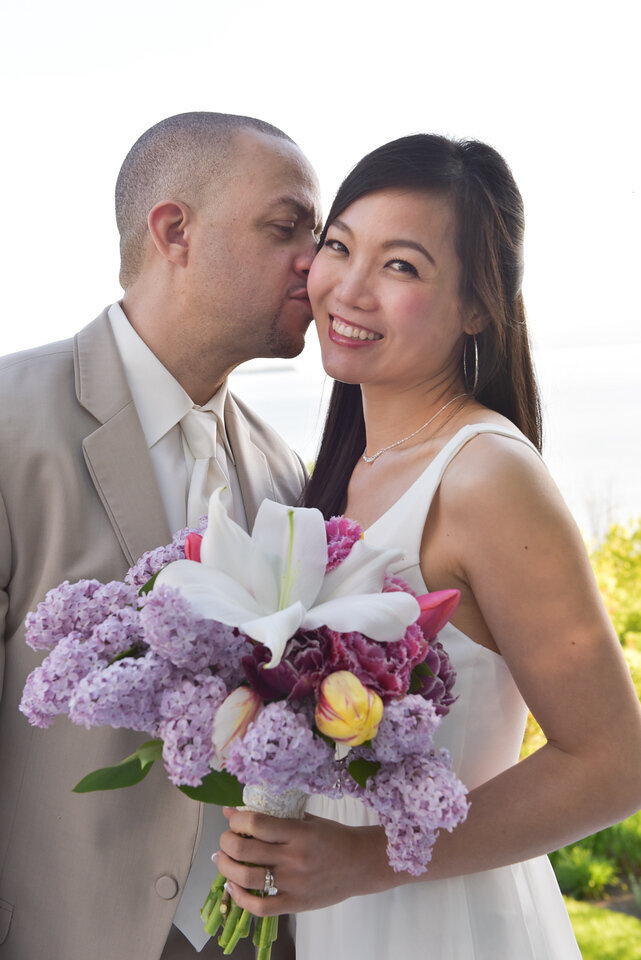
(476, 364)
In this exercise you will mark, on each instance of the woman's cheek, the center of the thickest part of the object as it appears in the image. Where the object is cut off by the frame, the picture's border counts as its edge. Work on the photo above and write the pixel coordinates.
(318, 281)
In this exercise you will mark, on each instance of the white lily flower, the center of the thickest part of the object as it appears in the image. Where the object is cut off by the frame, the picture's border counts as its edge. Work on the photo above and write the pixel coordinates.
(273, 582)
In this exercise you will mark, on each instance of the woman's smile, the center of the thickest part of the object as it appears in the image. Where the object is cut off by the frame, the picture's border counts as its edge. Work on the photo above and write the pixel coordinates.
(341, 330)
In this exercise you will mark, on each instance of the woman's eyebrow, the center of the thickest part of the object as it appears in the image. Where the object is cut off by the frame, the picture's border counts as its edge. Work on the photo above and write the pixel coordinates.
(412, 245)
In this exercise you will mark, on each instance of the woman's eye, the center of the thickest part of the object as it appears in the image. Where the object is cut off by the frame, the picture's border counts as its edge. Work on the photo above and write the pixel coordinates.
(402, 266)
(335, 245)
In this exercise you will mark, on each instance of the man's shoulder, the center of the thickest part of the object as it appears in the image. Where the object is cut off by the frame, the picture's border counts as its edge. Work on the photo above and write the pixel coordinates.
(42, 354)
(46, 360)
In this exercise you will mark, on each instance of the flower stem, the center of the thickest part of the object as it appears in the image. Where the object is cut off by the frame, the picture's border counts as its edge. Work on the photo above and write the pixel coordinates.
(242, 929)
(211, 913)
(265, 933)
(231, 922)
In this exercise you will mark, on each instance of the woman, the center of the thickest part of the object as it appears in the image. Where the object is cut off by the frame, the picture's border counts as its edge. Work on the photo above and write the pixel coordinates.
(431, 444)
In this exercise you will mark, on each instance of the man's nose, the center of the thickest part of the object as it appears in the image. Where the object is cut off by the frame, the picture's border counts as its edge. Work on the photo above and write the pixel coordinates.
(304, 258)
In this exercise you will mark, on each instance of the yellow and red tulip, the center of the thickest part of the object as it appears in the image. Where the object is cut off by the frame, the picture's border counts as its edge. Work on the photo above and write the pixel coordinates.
(347, 711)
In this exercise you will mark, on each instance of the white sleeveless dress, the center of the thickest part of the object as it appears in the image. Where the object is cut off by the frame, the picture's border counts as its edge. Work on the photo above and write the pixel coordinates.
(510, 913)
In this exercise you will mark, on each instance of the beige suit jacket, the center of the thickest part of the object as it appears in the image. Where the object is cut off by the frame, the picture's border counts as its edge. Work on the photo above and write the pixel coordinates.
(95, 875)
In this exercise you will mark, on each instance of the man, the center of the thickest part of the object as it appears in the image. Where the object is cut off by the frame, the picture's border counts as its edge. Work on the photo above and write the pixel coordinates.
(217, 217)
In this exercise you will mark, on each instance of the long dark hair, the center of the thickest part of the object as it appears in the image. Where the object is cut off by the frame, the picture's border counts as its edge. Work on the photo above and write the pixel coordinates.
(488, 210)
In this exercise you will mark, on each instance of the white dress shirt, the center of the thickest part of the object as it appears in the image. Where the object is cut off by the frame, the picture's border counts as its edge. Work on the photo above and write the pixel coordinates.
(161, 403)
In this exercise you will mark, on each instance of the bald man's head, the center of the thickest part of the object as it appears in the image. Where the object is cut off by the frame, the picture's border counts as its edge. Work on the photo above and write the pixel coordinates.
(177, 159)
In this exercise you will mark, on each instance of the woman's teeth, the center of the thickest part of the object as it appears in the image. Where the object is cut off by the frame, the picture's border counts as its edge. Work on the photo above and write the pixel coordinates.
(354, 333)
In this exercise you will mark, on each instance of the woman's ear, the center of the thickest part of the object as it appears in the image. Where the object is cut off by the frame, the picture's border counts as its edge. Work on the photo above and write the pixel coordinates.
(474, 323)
(168, 224)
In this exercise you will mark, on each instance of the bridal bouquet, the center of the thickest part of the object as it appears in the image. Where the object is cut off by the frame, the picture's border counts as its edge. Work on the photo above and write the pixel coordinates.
(288, 661)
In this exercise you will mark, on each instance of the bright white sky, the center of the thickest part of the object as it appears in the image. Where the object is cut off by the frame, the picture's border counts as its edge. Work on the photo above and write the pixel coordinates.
(552, 85)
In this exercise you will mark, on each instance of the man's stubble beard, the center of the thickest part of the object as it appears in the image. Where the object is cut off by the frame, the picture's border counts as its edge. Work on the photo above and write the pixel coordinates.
(282, 344)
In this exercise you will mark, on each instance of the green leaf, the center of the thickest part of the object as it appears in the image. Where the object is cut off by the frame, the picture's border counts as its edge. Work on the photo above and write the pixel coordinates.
(420, 670)
(149, 586)
(131, 652)
(361, 770)
(148, 752)
(423, 670)
(217, 787)
(127, 773)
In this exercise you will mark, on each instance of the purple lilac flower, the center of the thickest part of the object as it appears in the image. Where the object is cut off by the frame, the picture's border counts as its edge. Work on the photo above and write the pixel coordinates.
(414, 799)
(187, 713)
(74, 608)
(154, 560)
(174, 632)
(50, 686)
(408, 727)
(342, 534)
(281, 752)
(125, 694)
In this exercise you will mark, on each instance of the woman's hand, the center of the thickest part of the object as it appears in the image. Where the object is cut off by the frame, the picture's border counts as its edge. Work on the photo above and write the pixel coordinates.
(314, 862)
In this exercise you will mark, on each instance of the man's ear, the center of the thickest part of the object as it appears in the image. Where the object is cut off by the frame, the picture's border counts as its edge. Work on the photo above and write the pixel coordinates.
(168, 224)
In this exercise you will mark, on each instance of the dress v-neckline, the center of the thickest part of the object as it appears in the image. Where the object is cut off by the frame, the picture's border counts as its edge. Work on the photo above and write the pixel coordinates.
(474, 429)
(413, 484)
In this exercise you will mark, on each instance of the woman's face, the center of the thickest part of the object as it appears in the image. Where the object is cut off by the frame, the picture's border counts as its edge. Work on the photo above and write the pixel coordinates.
(384, 290)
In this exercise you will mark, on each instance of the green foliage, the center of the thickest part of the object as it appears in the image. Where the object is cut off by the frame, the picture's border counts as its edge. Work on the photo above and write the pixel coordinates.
(616, 562)
(361, 770)
(612, 856)
(620, 843)
(581, 874)
(127, 773)
(604, 934)
(217, 787)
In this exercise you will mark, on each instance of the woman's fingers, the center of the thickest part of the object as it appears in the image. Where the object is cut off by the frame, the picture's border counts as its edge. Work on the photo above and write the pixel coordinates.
(259, 825)
(315, 862)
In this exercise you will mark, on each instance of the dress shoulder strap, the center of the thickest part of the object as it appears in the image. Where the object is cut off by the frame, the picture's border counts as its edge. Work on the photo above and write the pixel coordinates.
(405, 520)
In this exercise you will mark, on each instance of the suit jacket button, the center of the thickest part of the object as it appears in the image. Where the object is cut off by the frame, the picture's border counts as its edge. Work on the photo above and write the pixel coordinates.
(166, 887)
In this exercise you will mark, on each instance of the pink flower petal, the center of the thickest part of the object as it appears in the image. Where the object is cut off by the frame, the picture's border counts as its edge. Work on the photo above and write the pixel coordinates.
(436, 610)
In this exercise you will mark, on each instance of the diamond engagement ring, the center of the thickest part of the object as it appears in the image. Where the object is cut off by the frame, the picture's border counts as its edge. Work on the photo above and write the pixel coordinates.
(270, 889)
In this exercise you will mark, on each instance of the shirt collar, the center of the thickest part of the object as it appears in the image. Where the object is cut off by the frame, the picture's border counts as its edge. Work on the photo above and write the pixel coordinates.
(159, 399)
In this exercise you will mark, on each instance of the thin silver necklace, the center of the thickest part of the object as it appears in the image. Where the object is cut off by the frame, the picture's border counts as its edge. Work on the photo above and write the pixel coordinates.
(410, 435)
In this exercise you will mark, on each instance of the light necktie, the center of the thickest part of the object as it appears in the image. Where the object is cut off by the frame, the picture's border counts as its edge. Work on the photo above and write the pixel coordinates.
(199, 430)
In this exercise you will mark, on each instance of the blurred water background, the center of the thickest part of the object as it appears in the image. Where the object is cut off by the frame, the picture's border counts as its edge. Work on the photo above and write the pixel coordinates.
(591, 403)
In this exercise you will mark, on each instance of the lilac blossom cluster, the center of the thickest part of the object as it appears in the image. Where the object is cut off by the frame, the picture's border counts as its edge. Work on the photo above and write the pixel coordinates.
(281, 752)
(189, 642)
(414, 792)
(152, 561)
(50, 687)
(75, 608)
(187, 712)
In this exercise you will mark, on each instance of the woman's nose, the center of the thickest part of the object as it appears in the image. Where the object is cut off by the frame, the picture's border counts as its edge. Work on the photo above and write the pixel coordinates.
(354, 290)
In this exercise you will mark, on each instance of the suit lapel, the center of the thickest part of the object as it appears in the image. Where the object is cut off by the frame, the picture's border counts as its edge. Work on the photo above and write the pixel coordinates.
(254, 474)
(116, 453)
